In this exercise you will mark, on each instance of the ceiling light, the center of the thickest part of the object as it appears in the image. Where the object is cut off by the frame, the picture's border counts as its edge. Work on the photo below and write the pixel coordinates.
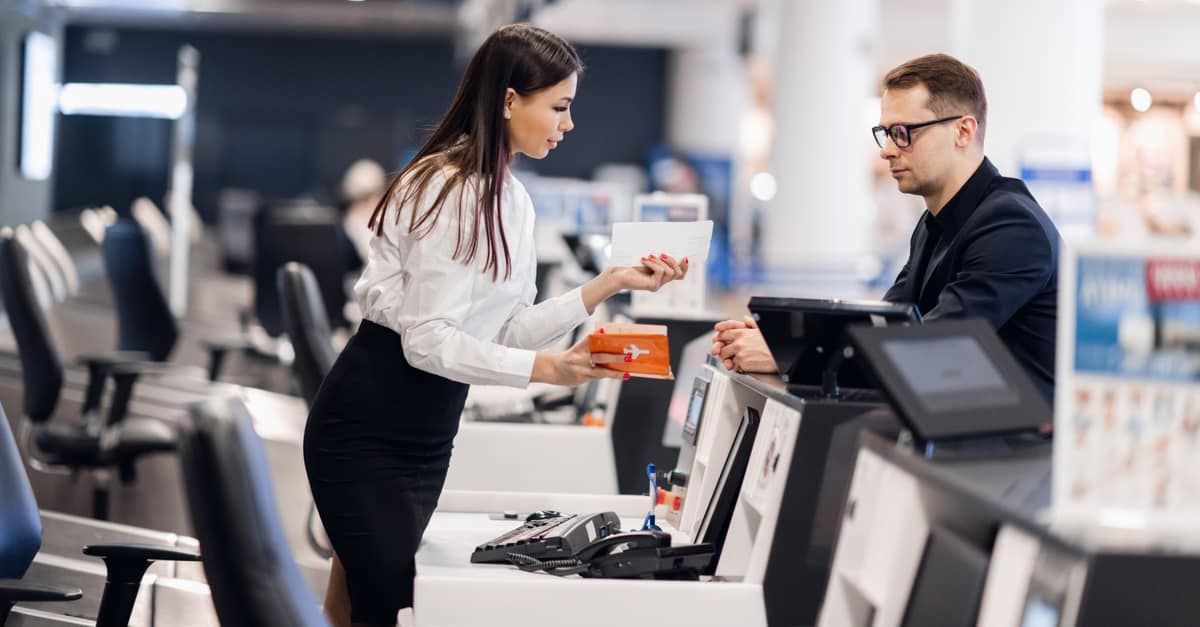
(1141, 100)
(153, 101)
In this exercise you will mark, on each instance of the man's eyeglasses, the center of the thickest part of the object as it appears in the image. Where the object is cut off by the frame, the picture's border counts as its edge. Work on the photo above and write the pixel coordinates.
(901, 134)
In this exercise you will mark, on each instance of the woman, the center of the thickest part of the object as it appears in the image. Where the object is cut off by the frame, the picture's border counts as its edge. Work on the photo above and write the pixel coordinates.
(447, 299)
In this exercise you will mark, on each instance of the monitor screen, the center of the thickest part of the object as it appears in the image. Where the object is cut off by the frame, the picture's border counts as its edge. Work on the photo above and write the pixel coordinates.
(950, 373)
(949, 582)
(1040, 613)
(805, 334)
(719, 513)
(691, 424)
(951, 379)
(691, 366)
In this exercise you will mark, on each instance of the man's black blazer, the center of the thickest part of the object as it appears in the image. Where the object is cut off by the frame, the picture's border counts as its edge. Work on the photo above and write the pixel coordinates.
(990, 253)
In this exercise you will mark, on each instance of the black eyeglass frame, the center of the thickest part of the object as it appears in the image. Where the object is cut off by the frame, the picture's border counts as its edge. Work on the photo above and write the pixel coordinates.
(908, 129)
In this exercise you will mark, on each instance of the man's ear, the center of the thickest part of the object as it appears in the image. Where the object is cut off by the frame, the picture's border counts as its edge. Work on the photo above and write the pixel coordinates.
(968, 126)
(510, 96)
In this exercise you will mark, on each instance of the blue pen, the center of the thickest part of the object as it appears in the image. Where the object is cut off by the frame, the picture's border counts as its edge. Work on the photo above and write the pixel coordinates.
(649, 524)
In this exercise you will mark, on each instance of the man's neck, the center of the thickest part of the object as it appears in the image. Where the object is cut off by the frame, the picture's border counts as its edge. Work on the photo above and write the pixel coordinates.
(958, 178)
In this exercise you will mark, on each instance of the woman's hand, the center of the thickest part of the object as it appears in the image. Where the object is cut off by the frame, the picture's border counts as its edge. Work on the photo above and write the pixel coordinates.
(574, 366)
(655, 272)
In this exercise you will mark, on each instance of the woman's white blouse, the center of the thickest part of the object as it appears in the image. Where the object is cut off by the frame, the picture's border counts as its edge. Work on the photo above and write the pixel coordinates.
(452, 318)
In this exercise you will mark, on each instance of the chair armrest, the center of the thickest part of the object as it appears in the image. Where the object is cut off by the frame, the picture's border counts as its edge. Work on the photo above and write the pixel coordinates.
(19, 591)
(218, 348)
(98, 366)
(126, 564)
(140, 552)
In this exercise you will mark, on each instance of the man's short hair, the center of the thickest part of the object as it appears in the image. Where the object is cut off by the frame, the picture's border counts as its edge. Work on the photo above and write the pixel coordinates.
(954, 87)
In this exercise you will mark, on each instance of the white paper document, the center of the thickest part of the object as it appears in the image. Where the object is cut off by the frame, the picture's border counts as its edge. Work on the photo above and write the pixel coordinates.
(633, 240)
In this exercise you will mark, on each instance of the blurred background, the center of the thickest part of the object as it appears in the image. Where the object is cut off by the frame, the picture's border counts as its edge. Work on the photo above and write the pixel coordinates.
(763, 106)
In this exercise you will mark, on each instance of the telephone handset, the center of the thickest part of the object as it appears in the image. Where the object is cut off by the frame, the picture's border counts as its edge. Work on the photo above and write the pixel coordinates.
(622, 542)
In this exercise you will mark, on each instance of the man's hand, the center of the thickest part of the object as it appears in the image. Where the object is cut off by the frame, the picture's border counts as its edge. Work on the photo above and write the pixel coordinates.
(740, 346)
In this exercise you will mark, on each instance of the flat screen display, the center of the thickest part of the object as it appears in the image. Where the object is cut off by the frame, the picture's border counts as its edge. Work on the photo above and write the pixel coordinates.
(691, 366)
(950, 373)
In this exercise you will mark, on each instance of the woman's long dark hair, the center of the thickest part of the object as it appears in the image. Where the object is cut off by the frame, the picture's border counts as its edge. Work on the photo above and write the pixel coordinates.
(471, 142)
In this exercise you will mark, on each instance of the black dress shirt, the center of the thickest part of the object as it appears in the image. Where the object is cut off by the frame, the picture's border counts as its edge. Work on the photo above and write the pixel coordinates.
(990, 253)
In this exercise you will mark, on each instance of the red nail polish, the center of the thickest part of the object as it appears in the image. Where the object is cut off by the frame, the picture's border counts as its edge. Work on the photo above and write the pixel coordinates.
(625, 376)
(685, 259)
(643, 258)
(664, 255)
(601, 330)
(653, 257)
(628, 358)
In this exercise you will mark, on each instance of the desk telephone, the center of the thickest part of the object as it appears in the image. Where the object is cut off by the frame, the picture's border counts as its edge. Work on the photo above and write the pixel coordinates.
(592, 545)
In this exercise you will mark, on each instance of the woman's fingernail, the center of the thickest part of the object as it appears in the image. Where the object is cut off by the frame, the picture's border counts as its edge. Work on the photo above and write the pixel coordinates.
(664, 255)
(601, 330)
(625, 376)
(628, 358)
(685, 260)
(652, 256)
(643, 258)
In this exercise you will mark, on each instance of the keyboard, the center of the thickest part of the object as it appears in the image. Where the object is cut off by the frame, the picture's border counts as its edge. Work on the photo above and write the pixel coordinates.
(546, 539)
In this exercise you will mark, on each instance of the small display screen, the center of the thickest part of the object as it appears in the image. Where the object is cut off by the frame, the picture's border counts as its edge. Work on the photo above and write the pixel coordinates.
(695, 407)
(950, 373)
(1040, 613)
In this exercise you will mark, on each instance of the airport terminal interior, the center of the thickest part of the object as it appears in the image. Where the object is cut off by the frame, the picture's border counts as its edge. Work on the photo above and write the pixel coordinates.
(186, 188)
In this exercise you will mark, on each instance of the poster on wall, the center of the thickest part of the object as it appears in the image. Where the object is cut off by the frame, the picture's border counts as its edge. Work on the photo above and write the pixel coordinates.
(1127, 411)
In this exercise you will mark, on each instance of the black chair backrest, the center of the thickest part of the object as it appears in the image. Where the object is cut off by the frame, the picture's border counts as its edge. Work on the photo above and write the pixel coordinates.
(247, 561)
(41, 365)
(20, 522)
(144, 320)
(310, 234)
(307, 326)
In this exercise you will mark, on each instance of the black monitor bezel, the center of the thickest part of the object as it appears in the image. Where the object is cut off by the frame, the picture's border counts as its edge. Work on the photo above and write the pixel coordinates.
(1030, 412)
(849, 309)
(725, 495)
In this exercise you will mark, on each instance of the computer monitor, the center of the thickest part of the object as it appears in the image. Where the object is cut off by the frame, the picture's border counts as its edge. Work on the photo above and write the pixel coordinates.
(663, 207)
(807, 337)
(951, 379)
(948, 587)
(691, 365)
(715, 524)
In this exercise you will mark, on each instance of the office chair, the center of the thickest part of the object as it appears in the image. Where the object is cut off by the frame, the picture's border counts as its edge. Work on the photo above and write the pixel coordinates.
(307, 327)
(21, 536)
(58, 254)
(250, 571)
(145, 322)
(95, 442)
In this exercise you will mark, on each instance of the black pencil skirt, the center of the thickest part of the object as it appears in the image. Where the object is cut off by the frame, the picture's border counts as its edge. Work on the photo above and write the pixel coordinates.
(376, 448)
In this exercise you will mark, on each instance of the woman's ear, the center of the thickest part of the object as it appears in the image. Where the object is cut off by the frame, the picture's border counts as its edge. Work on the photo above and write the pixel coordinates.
(510, 96)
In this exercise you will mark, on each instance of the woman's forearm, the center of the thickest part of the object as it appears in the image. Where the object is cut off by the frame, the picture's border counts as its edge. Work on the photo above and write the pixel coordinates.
(599, 290)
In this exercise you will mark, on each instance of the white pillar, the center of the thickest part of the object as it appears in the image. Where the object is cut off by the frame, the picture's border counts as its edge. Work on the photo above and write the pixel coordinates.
(1042, 64)
(825, 72)
(704, 98)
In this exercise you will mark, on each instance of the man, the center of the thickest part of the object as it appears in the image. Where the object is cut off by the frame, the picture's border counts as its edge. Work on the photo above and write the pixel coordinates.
(983, 248)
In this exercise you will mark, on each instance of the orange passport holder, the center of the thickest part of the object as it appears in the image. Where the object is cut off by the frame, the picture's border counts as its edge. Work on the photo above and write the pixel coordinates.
(645, 344)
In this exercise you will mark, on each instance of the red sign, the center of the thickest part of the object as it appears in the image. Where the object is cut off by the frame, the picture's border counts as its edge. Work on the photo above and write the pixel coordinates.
(1173, 279)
